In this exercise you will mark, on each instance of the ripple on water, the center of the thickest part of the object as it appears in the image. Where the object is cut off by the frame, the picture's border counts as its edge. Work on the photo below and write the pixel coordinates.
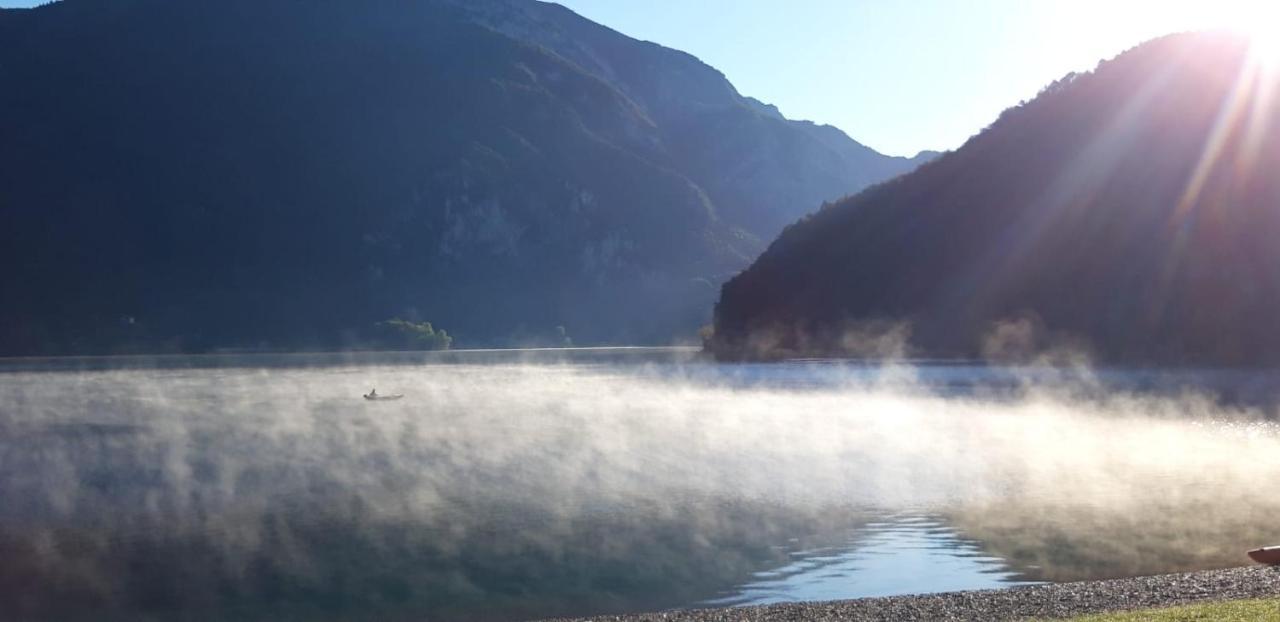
(902, 554)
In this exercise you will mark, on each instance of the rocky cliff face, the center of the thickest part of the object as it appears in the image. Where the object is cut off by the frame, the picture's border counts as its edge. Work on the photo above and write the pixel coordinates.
(184, 175)
(1128, 214)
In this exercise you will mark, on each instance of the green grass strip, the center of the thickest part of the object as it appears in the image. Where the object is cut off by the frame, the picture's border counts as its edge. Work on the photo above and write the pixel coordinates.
(1230, 611)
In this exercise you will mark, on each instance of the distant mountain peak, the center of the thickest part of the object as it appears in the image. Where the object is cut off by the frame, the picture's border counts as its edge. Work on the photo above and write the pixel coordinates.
(280, 174)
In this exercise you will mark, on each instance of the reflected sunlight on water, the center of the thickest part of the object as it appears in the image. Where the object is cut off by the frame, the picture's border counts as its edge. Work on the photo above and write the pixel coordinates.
(901, 554)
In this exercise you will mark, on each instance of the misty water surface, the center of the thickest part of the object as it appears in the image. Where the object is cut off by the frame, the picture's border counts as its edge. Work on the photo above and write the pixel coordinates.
(509, 486)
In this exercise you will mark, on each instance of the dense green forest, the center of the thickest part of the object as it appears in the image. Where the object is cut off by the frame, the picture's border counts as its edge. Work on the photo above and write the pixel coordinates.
(180, 175)
(1129, 214)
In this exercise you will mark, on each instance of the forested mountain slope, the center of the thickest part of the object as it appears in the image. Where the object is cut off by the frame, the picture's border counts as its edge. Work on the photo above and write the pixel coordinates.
(1131, 213)
(184, 175)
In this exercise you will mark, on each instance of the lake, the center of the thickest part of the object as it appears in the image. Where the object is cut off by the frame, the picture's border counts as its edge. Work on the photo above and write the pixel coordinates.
(512, 485)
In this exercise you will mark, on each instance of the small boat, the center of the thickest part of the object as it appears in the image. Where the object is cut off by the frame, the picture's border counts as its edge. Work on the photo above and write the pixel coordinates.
(374, 397)
(1266, 555)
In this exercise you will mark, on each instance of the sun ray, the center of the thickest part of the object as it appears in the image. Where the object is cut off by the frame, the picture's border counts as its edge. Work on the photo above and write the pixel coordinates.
(1263, 108)
(1229, 117)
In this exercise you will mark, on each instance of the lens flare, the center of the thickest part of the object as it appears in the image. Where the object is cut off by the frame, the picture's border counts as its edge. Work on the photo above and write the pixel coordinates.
(1260, 22)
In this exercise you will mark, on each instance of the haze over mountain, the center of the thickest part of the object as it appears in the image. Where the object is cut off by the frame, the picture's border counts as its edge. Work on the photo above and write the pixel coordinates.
(179, 175)
(1130, 213)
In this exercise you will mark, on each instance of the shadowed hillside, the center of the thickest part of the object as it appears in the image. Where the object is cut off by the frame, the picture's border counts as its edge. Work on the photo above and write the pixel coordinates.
(1130, 213)
(188, 175)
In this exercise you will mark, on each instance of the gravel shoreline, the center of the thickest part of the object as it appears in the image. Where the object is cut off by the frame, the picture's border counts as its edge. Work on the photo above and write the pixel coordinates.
(1056, 600)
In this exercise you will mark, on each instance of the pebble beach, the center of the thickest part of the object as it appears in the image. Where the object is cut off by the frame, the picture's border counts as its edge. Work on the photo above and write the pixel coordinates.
(1049, 601)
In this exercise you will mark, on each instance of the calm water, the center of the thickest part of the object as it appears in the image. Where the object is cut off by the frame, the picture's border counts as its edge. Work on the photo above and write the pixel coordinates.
(520, 485)
(898, 554)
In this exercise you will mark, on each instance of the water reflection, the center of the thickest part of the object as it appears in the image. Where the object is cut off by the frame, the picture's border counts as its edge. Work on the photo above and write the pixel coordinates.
(902, 554)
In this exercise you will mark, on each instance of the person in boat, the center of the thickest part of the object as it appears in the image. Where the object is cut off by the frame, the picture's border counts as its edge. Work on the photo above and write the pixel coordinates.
(373, 393)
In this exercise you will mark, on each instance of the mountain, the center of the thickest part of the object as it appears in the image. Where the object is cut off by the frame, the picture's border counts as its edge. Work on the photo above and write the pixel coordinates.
(1130, 214)
(181, 175)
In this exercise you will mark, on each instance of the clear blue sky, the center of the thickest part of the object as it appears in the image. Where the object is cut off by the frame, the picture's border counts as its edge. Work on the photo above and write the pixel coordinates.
(901, 75)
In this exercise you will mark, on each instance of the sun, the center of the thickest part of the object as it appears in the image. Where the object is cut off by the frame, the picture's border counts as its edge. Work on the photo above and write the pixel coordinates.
(1260, 22)
(1257, 20)
(1248, 110)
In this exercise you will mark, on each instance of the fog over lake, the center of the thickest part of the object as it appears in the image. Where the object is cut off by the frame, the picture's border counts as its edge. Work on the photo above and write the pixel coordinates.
(512, 486)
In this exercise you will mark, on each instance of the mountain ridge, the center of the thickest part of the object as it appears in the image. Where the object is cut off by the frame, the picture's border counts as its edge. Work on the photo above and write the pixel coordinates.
(1064, 226)
(286, 174)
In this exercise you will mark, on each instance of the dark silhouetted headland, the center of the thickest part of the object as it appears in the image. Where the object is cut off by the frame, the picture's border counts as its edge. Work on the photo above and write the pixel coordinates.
(1130, 214)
